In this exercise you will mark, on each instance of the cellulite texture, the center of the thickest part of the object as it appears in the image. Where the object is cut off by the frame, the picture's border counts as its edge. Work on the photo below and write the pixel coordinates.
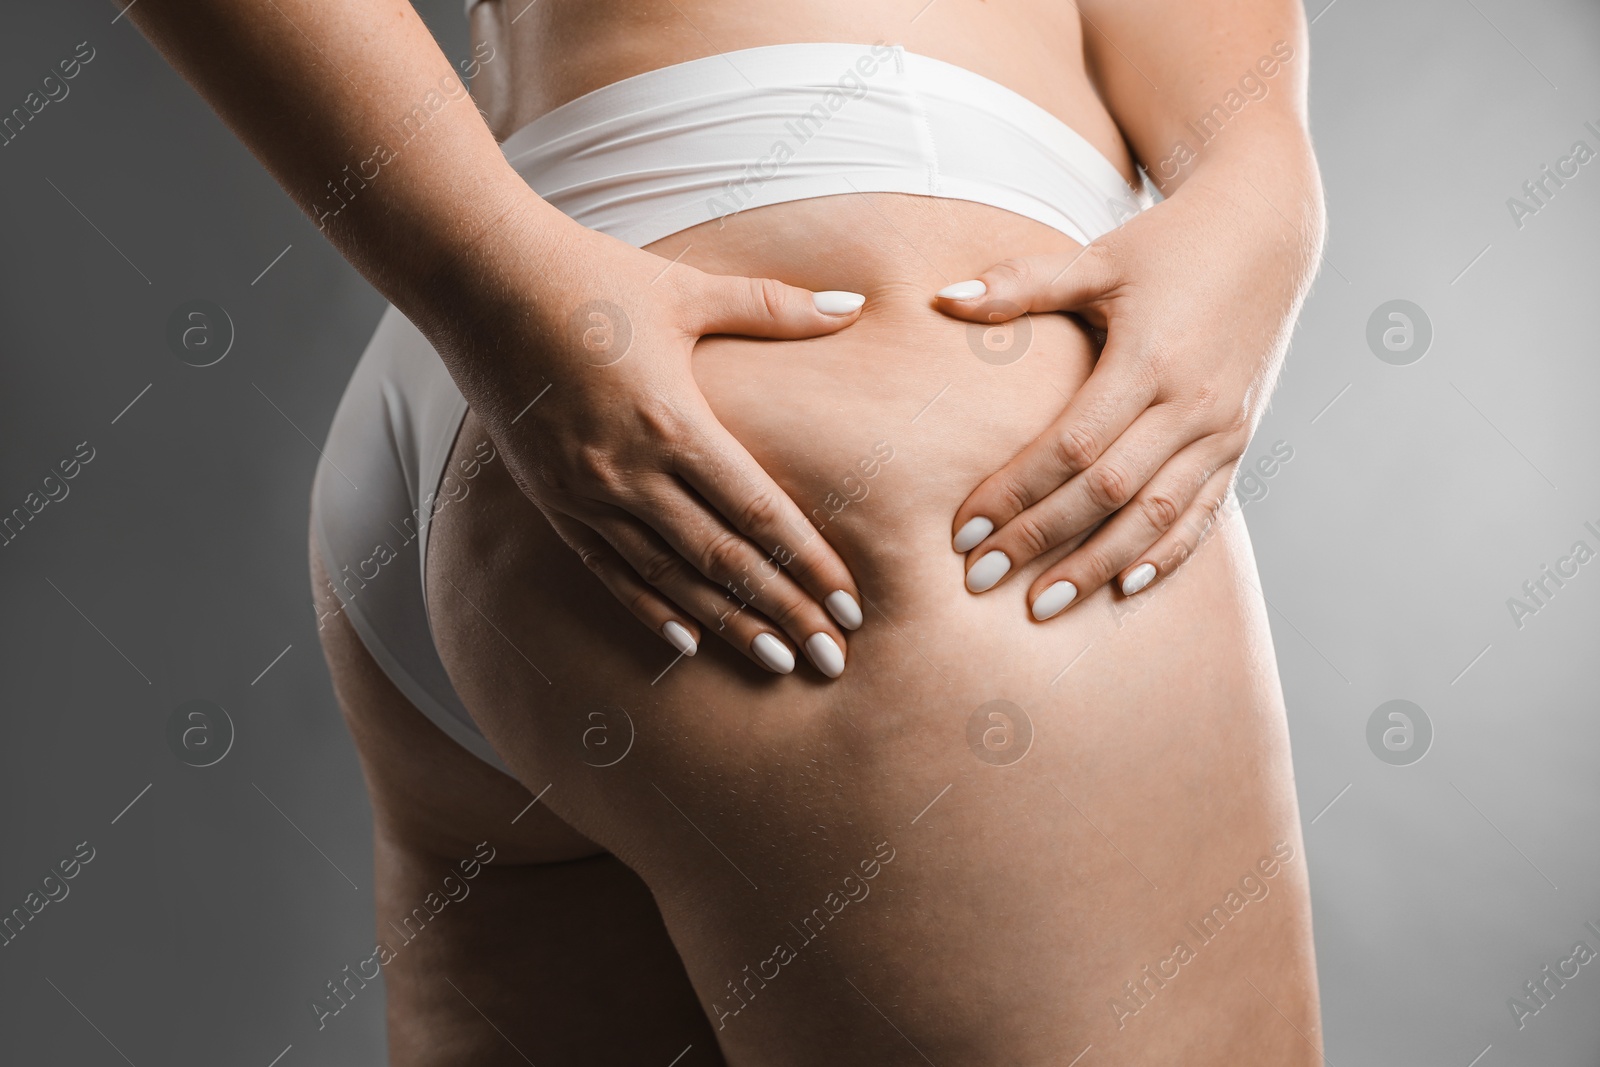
(642, 159)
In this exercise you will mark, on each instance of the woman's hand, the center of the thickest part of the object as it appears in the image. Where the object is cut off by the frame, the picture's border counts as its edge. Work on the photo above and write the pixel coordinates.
(582, 377)
(1196, 298)
(621, 452)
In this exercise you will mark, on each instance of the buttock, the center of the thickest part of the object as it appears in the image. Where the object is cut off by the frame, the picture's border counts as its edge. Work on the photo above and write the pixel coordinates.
(1096, 780)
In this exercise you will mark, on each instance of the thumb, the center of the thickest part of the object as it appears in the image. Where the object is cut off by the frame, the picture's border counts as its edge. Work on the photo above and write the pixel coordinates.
(1074, 281)
(763, 307)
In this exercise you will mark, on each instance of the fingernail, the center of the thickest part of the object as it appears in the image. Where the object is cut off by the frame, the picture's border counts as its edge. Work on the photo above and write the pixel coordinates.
(970, 534)
(1051, 602)
(988, 570)
(844, 609)
(825, 654)
(773, 654)
(962, 290)
(838, 302)
(677, 636)
(1138, 578)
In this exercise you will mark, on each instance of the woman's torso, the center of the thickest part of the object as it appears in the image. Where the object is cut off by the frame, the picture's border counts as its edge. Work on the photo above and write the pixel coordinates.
(1158, 769)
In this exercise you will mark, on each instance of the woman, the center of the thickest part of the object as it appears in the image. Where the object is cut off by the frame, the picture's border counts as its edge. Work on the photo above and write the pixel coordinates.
(988, 840)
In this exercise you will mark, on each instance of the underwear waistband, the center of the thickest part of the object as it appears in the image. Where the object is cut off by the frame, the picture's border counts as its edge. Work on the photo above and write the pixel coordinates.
(668, 149)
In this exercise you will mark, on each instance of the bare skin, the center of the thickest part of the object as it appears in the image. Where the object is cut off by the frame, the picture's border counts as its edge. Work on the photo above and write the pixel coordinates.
(1008, 906)
(1166, 735)
(1016, 908)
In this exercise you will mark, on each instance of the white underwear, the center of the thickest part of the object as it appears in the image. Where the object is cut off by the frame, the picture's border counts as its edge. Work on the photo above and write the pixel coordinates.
(642, 159)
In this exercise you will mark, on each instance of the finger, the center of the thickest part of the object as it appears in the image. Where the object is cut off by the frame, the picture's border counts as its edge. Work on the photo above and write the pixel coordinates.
(747, 623)
(1175, 547)
(672, 625)
(753, 574)
(719, 468)
(1115, 549)
(762, 307)
(1085, 500)
(1072, 281)
(1098, 414)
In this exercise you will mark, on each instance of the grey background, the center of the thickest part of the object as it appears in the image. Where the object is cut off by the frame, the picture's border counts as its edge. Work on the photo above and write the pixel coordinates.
(1418, 499)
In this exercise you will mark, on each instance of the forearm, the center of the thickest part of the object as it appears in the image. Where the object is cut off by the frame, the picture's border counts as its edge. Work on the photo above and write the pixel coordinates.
(1211, 92)
(363, 121)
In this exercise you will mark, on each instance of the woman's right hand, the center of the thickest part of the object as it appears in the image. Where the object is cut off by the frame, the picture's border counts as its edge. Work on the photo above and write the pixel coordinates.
(584, 382)
(625, 459)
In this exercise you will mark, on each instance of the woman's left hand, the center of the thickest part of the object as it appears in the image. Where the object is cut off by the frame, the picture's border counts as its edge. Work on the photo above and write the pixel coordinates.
(1197, 298)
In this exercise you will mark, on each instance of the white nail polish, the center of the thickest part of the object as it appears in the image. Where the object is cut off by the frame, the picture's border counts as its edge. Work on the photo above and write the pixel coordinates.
(988, 570)
(1138, 578)
(677, 636)
(973, 531)
(825, 654)
(772, 653)
(1054, 600)
(838, 302)
(962, 290)
(844, 609)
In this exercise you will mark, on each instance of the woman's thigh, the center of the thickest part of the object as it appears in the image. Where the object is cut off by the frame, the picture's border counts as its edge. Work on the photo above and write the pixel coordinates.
(990, 841)
(503, 935)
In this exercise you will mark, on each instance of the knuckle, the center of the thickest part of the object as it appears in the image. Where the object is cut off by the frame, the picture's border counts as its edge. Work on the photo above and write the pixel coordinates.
(1015, 272)
(594, 559)
(659, 569)
(659, 419)
(593, 467)
(769, 296)
(1074, 448)
(1096, 565)
(1013, 499)
(641, 604)
(1161, 510)
(1240, 430)
(1107, 486)
(1032, 533)
(1205, 399)
(1210, 514)
(721, 556)
(785, 611)
(760, 511)
(1098, 258)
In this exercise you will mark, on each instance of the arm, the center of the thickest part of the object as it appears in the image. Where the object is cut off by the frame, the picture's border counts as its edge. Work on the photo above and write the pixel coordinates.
(362, 120)
(1197, 296)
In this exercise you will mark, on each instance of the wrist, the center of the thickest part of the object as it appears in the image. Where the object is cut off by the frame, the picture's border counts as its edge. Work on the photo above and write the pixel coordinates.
(492, 298)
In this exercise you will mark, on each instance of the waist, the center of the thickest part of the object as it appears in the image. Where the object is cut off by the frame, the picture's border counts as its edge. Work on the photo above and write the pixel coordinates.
(679, 146)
